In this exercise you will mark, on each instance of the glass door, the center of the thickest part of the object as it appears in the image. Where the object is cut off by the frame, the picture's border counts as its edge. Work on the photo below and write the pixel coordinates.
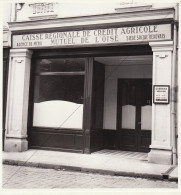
(134, 114)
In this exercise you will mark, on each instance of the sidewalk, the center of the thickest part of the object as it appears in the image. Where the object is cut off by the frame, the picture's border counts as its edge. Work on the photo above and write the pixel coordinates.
(103, 162)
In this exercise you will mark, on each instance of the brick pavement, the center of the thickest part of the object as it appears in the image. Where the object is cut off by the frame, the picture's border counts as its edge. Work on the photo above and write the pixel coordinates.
(19, 177)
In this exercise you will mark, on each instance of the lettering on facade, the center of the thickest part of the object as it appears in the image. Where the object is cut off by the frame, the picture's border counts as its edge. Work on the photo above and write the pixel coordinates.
(161, 94)
(42, 8)
(94, 37)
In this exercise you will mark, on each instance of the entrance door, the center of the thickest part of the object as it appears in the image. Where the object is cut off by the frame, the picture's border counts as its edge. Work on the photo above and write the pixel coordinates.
(134, 114)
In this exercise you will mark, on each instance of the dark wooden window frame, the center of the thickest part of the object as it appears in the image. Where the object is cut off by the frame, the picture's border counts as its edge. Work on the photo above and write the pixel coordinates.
(75, 73)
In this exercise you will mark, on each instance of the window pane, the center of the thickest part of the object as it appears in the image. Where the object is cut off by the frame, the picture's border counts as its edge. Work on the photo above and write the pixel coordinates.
(53, 87)
(58, 101)
(128, 95)
(60, 65)
(146, 108)
(128, 117)
(146, 117)
(128, 92)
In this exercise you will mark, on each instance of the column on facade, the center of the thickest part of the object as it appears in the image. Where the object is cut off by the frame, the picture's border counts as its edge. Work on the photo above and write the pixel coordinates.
(17, 100)
(161, 144)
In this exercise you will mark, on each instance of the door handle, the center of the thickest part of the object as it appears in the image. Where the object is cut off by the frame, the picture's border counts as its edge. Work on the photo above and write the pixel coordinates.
(139, 123)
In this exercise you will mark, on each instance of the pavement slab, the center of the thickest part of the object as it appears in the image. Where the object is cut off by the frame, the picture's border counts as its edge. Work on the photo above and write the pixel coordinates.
(115, 163)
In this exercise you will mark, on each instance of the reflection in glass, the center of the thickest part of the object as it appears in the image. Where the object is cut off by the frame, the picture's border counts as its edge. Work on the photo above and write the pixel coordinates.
(60, 65)
(128, 93)
(53, 87)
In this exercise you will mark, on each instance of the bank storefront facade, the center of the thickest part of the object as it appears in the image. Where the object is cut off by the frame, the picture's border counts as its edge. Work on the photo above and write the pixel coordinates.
(92, 82)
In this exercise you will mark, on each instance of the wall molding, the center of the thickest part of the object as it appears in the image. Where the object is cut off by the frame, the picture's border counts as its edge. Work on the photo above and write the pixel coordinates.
(80, 22)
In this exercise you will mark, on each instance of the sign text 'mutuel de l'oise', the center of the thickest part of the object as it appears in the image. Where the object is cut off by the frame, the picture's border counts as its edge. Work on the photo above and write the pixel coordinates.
(94, 37)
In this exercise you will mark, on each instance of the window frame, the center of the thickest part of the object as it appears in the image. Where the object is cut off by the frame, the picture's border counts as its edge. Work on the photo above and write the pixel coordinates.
(58, 73)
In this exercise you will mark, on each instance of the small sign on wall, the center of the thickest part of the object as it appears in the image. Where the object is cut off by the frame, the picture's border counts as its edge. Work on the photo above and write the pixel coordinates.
(161, 94)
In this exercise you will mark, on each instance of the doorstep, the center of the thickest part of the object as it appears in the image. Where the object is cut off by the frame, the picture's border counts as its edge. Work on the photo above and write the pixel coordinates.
(129, 164)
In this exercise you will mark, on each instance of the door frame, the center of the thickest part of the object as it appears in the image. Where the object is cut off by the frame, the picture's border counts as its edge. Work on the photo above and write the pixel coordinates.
(138, 134)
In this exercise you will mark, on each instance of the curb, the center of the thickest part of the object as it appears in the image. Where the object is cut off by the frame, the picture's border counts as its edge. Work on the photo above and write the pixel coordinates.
(85, 170)
(175, 179)
(167, 174)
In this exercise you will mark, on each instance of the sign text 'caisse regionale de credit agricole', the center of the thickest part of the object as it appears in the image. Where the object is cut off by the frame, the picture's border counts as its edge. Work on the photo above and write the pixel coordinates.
(94, 37)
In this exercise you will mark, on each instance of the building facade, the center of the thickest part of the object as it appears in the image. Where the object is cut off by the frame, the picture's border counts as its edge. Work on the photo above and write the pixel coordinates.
(83, 80)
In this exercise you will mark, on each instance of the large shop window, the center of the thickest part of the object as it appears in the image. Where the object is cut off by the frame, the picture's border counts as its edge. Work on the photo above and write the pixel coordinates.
(59, 93)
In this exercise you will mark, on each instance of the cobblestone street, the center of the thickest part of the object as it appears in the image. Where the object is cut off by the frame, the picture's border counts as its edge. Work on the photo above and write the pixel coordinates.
(19, 177)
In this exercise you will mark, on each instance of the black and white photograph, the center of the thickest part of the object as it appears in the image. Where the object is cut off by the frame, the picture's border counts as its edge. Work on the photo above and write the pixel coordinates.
(90, 95)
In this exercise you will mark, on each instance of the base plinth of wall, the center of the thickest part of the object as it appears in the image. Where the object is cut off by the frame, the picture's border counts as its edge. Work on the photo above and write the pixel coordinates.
(15, 145)
(160, 156)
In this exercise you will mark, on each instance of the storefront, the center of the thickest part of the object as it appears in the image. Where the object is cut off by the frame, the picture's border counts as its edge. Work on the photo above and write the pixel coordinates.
(85, 83)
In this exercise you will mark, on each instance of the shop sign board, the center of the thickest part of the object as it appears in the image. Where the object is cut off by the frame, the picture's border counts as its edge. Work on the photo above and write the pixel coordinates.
(113, 36)
(161, 94)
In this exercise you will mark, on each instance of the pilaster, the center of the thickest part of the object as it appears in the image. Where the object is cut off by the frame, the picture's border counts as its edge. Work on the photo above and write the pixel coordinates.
(17, 100)
(161, 146)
